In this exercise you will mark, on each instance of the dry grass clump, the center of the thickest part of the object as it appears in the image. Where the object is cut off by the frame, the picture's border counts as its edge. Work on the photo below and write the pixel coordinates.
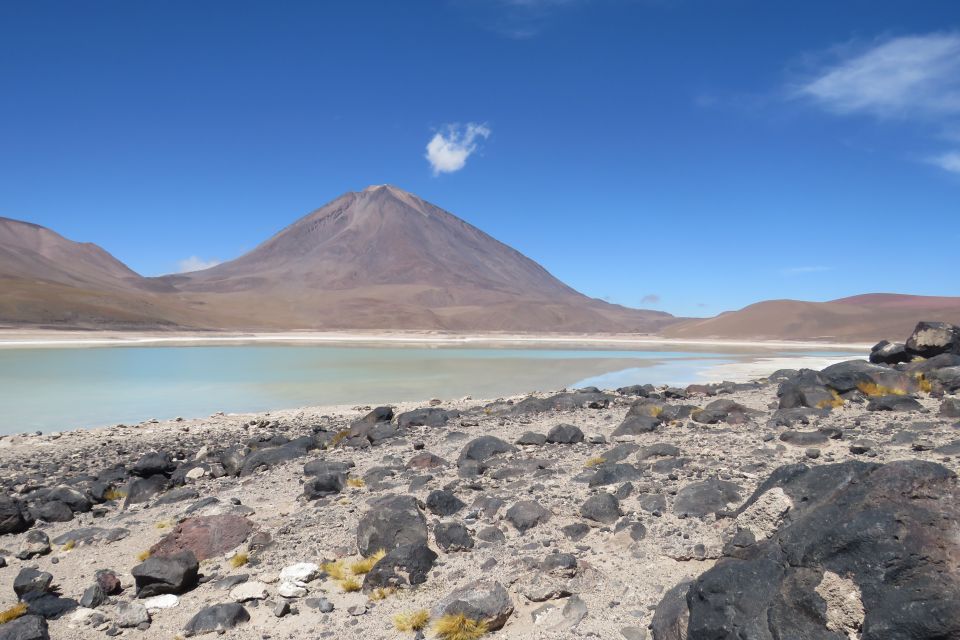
(873, 390)
(349, 585)
(337, 438)
(13, 612)
(382, 593)
(114, 494)
(654, 410)
(459, 627)
(356, 483)
(143, 555)
(924, 384)
(594, 462)
(834, 403)
(335, 570)
(164, 524)
(363, 566)
(412, 620)
(69, 545)
(239, 559)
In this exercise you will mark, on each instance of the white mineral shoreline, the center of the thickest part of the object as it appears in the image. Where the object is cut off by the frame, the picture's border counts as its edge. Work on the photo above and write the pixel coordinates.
(16, 338)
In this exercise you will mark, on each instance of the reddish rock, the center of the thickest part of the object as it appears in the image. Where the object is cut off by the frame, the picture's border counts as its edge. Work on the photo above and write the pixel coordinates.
(426, 460)
(206, 536)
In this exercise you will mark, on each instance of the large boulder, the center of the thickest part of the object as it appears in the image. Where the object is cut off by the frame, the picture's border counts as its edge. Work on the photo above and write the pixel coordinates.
(484, 600)
(14, 516)
(391, 521)
(475, 455)
(933, 338)
(885, 352)
(204, 536)
(860, 374)
(865, 550)
(565, 434)
(166, 574)
(153, 463)
(526, 514)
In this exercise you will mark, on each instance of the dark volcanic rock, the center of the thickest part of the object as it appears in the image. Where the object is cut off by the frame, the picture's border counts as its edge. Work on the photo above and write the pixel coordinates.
(204, 536)
(562, 402)
(270, 457)
(444, 503)
(601, 507)
(143, 489)
(407, 564)
(636, 425)
(452, 536)
(950, 408)
(527, 514)
(702, 498)
(885, 352)
(166, 574)
(933, 338)
(804, 438)
(893, 403)
(565, 434)
(14, 516)
(607, 474)
(478, 451)
(29, 627)
(216, 618)
(153, 463)
(531, 438)
(391, 521)
(324, 484)
(30, 581)
(877, 536)
(484, 600)
(427, 417)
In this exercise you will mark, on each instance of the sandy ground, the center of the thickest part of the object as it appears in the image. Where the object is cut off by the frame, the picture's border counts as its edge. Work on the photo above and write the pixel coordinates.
(619, 579)
(10, 338)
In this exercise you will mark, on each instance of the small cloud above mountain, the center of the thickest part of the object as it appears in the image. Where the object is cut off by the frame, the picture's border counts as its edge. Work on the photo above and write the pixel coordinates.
(449, 148)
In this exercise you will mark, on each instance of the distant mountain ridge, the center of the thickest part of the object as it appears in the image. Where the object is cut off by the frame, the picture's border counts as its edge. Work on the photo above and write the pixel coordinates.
(380, 258)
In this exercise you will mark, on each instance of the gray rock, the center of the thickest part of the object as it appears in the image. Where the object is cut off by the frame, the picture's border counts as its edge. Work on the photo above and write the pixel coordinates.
(404, 565)
(531, 438)
(217, 618)
(601, 507)
(444, 503)
(28, 627)
(565, 434)
(894, 403)
(130, 615)
(452, 536)
(14, 516)
(35, 543)
(484, 600)
(30, 581)
(931, 339)
(702, 498)
(93, 597)
(390, 522)
(324, 484)
(527, 514)
(175, 574)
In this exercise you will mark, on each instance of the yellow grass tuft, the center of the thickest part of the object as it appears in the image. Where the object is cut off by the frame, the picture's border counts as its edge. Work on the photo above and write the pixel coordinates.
(361, 567)
(874, 390)
(349, 585)
(239, 559)
(356, 483)
(654, 410)
(13, 612)
(337, 438)
(114, 494)
(834, 403)
(382, 593)
(335, 570)
(143, 555)
(593, 462)
(459, 627)
(164, 524)
(412, 620)
(923, 383)
(68, 545)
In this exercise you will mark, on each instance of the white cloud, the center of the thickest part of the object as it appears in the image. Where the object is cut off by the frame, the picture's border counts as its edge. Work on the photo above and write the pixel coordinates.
(910, 76)
(449, 149)
(949, 161)
(796, 271)
(193, 263)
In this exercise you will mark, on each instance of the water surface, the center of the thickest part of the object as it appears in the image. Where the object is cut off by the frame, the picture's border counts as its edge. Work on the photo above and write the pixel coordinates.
(65, 388)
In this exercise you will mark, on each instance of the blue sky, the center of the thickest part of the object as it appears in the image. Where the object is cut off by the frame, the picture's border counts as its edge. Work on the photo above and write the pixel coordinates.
(691, 156)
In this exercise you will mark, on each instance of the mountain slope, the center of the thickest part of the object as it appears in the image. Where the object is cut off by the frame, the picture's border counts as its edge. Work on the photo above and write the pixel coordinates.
(383, 258)
(868, 317)
(48, 280)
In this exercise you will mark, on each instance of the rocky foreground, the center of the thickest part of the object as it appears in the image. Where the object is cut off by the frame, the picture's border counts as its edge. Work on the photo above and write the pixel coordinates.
(805, 505)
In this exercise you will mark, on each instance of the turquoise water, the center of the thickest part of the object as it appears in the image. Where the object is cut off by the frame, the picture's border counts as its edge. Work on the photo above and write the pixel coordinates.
(54, 389)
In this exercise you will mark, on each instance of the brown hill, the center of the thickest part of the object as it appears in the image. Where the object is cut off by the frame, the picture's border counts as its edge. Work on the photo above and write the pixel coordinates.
(868, 317)
(383, 258)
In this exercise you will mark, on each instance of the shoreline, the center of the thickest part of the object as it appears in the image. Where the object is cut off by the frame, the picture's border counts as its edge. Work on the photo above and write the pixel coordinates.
(29, 338)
